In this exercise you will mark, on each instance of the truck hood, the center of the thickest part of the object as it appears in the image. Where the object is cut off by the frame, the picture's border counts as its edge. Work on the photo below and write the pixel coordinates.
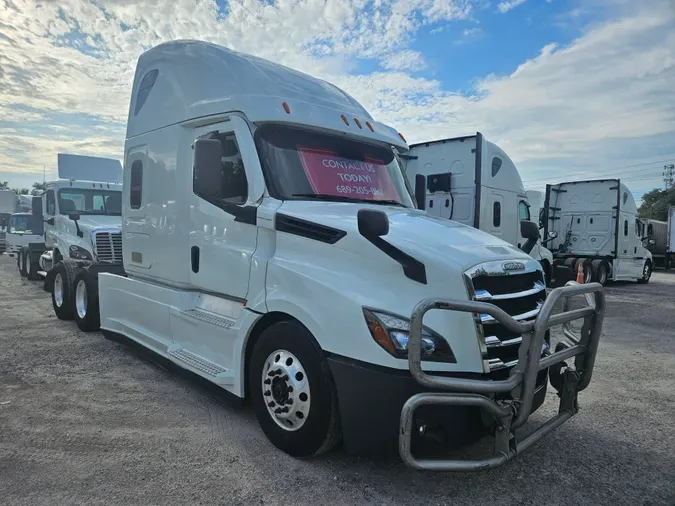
(92, 222)
(425, 237)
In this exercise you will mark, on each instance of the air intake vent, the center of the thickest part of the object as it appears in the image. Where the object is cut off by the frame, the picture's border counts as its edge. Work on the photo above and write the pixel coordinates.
(108, 247)
(296, 226)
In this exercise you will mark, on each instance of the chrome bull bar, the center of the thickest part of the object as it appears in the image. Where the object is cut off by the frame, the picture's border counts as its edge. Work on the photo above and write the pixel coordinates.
(513, 413)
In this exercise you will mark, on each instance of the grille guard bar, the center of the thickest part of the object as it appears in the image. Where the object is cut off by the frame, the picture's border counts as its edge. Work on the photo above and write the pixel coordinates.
(510, 414)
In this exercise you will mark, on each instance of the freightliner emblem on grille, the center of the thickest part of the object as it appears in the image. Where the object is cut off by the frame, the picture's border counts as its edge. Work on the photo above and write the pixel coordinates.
(513, 266)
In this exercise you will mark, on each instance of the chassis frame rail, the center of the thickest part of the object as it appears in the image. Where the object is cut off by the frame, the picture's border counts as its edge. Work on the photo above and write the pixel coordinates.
(513, 413)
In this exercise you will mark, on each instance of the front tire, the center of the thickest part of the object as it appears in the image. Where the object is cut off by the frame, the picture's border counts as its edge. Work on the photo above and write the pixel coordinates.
(85, 302)
(62, 289)
(292, 391)
(21, 262)
(646, 273)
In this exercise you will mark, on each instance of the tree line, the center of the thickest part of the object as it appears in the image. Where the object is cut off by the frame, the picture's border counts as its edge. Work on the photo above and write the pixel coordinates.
(655, 204)
(38, 188)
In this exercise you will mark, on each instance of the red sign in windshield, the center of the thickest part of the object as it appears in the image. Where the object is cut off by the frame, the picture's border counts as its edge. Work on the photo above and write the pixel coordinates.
(333, 175)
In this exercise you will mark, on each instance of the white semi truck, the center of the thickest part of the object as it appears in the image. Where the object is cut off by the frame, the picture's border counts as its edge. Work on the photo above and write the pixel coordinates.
(81, 212)
(7, 208)
(473, 181)
(23, 230)
(597, 227)
(670, 247)
(271, 246)
(657, 233)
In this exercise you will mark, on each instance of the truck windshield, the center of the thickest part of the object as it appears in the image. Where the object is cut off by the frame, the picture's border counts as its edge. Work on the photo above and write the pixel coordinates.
(85, 201)
(20, 224)
(300, 164)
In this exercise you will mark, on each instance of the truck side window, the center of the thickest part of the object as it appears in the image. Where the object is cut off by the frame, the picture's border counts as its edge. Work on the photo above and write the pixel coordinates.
(233, 183)
(496, 214)
(639, 228)
(136, 186)
(496, 165)
(523, 211)
(51, 203)
(625, 227)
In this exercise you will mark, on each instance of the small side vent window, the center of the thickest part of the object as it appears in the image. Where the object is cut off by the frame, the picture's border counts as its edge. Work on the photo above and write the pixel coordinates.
(625, 197)
(625, 227)
(496, 214)
(144, 89)
(136, 186)
(496, 165)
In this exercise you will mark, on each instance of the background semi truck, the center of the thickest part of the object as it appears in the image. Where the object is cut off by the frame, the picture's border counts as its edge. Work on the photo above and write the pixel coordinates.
(598, 228)
(24, 229)
(671, 235)
(473, 181)
(82, 225)
(272, 247)
(7, 208)
(657, 232)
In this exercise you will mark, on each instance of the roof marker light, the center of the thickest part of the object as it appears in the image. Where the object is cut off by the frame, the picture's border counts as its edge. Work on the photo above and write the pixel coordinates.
(370, 126)
(344, 118)
(401, 136)
(286, 108)
(358, 123)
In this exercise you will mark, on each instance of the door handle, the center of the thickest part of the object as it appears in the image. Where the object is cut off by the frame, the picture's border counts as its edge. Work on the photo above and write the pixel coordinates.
(194, 258)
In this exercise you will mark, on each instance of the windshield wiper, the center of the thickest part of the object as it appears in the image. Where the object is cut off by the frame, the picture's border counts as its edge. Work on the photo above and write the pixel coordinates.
(344, 198)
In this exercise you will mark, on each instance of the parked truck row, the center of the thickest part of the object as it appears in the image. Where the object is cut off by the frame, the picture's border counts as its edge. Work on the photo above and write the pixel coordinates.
(271, 237)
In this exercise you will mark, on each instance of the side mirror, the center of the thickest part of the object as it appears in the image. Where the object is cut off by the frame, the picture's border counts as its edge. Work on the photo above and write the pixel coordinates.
(372, 223)
(36, 207)
(206, 179)
(74, 216)
(529, 230)
(552, 235)
(421, 191)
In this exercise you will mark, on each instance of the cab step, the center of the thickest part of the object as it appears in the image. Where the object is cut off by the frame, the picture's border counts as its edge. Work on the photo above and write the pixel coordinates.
(188, 359)
(209, 317)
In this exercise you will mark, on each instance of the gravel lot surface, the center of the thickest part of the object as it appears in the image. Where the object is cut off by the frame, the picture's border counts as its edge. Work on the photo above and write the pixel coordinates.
(86, 420)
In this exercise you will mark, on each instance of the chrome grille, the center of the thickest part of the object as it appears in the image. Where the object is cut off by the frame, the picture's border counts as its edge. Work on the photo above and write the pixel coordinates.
(520, 294)
(108, 247)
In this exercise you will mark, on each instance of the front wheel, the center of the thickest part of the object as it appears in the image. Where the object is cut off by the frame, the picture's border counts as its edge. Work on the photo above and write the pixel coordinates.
(62, 289)
(21, 262)
(85, 302)
(646, 273)
(292, 391)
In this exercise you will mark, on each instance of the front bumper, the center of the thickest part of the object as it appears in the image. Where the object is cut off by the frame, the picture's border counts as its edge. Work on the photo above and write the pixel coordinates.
(508, 413)
(371, 399)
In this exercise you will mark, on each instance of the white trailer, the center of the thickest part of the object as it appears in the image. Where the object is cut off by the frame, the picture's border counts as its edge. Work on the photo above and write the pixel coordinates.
(81, 212)
(272, 247)
(598, 228)
(473, 181)
(7, 208)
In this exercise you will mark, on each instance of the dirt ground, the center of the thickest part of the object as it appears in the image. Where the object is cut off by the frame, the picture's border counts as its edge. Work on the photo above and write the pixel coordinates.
(86, 420)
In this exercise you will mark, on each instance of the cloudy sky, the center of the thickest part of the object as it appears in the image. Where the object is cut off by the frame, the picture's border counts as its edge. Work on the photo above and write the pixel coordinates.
(571, 89)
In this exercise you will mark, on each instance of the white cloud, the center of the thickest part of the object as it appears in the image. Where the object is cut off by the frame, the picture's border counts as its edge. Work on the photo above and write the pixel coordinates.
(507, 5)
(604, 100)
(404, 60)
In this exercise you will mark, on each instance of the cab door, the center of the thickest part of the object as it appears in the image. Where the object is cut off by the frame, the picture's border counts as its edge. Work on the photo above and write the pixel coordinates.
(223, 233)
(49, 206)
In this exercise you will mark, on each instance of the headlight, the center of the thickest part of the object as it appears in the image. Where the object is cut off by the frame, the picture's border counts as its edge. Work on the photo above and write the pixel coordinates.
(392, 333)
(79, 253)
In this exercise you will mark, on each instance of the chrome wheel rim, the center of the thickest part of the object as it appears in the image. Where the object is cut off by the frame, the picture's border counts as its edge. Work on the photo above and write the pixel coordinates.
(646, 272)
(602, 275)
(58, 290)
(27, 266)
(285, 390)
(81, 299)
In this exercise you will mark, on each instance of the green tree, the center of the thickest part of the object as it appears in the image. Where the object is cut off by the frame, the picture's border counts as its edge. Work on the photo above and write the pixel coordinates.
(4, 185)
(655, 204)
(38, 187)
